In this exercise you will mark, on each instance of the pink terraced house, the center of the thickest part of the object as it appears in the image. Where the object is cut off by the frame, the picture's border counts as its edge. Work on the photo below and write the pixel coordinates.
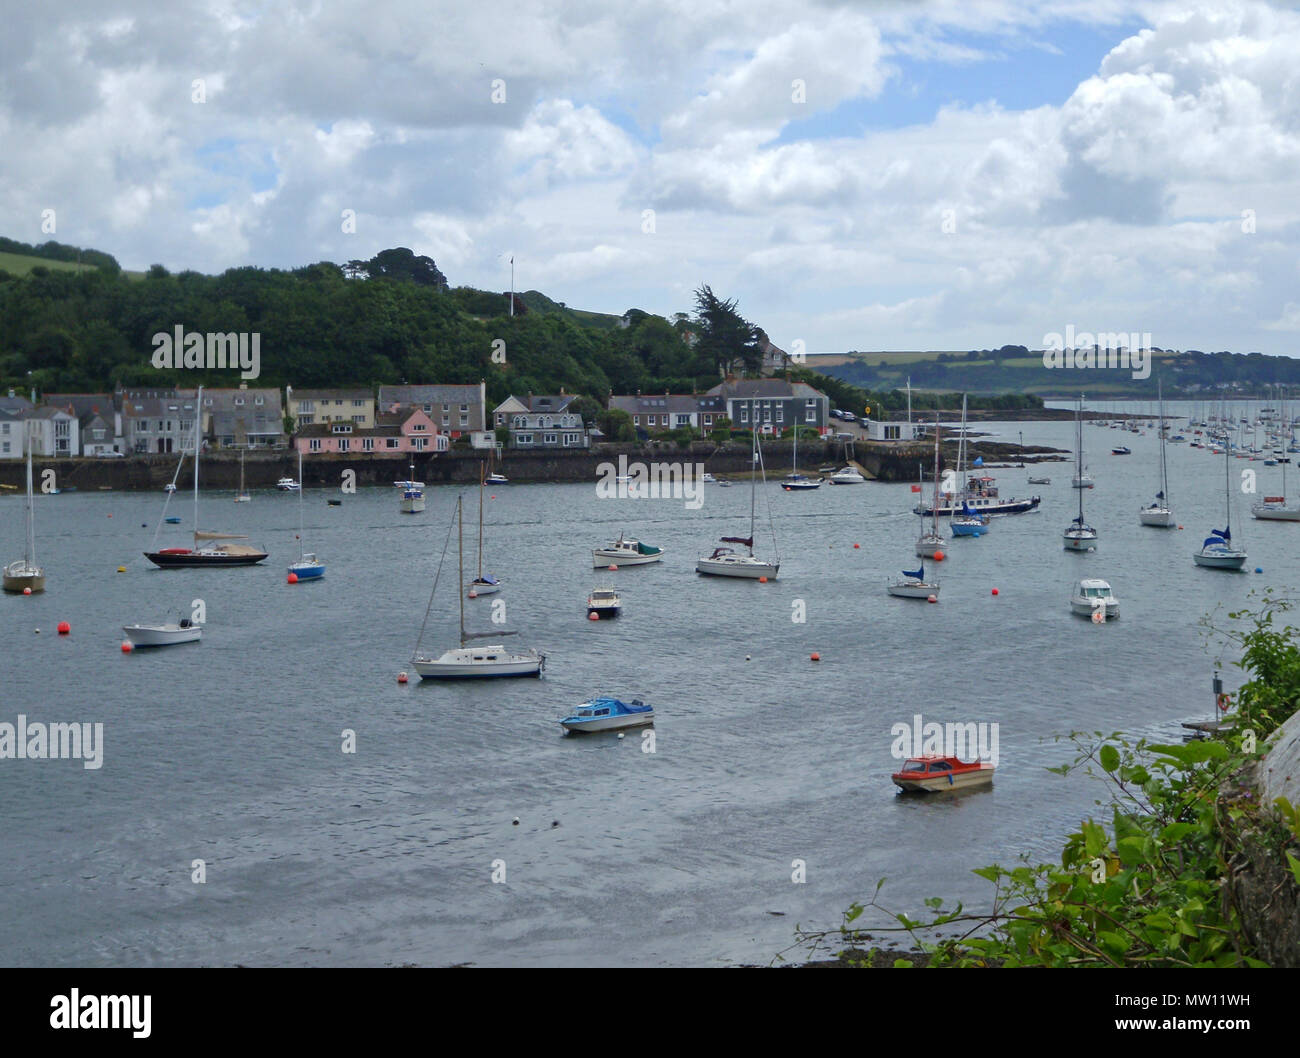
(405, 429)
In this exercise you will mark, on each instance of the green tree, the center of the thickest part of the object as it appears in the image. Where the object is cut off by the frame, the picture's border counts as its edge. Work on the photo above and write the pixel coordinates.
(723, 334)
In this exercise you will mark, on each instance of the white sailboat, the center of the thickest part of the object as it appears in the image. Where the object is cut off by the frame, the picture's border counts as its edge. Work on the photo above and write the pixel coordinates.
(412, 494)
(931, 543)
(1217, 550)
(1080, 536)
(1275, 508)
(794, 481)
(484, 583)
(242, 495)
(914, 585)
(307, 567)
(1159, 514)
(24, 575)
(470, 662)
(726, 561)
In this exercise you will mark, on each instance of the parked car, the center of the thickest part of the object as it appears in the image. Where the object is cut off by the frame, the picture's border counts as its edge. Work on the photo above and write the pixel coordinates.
(111, 455)
(848, 416)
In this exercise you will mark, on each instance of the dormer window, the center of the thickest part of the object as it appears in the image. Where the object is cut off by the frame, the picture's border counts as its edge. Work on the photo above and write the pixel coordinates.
(341, 427)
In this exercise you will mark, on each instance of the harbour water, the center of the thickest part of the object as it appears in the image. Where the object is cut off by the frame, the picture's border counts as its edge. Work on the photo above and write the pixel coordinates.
(230, 751)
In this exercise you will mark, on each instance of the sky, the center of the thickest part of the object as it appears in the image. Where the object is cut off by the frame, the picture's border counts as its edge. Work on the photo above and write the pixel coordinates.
(932, 174)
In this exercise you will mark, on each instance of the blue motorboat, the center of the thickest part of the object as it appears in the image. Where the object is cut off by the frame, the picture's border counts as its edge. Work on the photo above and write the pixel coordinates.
(609, 714)
(970, 523)
(172, 520)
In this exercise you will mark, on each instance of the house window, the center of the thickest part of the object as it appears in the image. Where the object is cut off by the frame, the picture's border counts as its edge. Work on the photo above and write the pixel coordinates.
(651, 420)
(345, 444)
(358, 418)
(708, 420)
(418, 427)
(342, 427)
(744, 414)
(524, 439)
(314, 444)
(780, 413)
(368, 444)
(258, 401)
(358, 404)
(393, 442)
(683, 420)
(239, 402)
(304, 405)
(420, 443)
(306, 420)
(811, 415)
(464, 409)
(572, 439)
(550, 439)
(464, 419)
(428, 409)
(98, 434)
(6, 447)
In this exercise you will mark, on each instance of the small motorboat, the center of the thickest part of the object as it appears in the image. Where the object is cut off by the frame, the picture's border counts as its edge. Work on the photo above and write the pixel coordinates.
(724, 483)
(708, 479)
(287, 485)
(1040, 481)
(1093, 598)
(608, 714)
(169, 487)
(624, 552)
(931, 773)
(1121, 450)
(335, 503)
(496, 479)
(603, 602)
(847, 476)
(484, 585)
(163, 635)
(172, 520)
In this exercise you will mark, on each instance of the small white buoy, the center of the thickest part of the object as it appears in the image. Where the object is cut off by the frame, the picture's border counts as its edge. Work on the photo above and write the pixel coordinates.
(620, 734)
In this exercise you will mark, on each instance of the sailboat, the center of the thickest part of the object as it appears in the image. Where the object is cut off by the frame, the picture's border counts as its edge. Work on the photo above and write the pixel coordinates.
(242, 495)
(1082, 479)
(307, 567)
(484, 583)
(932, 543)
(967, 522)
(468, 662)
(726, 561)
(1080, 536)
(1275, 508)
(794, 481)
(412, 493)
(203, 553)
(1217, 550)
(24, 574)
(914, 585)
(1159, 513)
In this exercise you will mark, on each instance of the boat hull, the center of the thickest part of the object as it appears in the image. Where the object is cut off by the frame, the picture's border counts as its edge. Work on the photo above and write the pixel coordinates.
(478, 664)
(412, 505)
(1157, 518)
(1083, 607)
(16, 580)
(737, 567)
(177, 557)
(913, 590)
(1276, 514)
(1080, 542)
(479, 587)
(928, 545)
(161, 635)
(982, 506)
(938, 783)
(582, 725)
(307, 570)
(1219, 561)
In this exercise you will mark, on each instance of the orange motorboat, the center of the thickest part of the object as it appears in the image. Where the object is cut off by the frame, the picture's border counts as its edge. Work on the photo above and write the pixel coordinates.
(932, 772)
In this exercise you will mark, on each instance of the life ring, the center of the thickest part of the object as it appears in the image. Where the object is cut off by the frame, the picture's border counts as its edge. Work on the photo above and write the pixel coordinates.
(1224, 702)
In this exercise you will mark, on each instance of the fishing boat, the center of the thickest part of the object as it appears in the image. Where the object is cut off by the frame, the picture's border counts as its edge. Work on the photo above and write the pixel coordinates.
(1080, 536)
(204, 552)
(242, 495)
(932, 544)
(914, 585)
(847, 476)
(307, 567)
(931, 773)
(603, 602)
(608, 714)
(23, 575)
(470, 662)
(1040, 481)
(412, 494)
(979, 492)
(1093, 596)
(794, 481)
(625, 552)
(287, 485)
(163, 635)
(484, 583)
(727, 561)
(1160, 515)
(1217, 550)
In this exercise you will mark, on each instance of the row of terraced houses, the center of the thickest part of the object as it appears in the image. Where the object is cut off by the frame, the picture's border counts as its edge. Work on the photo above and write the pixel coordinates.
(395, 419)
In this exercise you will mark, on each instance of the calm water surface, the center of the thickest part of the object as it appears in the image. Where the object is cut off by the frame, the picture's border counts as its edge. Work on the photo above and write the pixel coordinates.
(229, 751)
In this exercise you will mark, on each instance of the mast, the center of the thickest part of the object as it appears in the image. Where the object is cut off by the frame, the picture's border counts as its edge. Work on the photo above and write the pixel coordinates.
(934, 507)
(753, 489)
(301, 556)
(31, 513)
(480, 521)
(460, 561)
(1164, 466)
(198, 419)
(1078, 457)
